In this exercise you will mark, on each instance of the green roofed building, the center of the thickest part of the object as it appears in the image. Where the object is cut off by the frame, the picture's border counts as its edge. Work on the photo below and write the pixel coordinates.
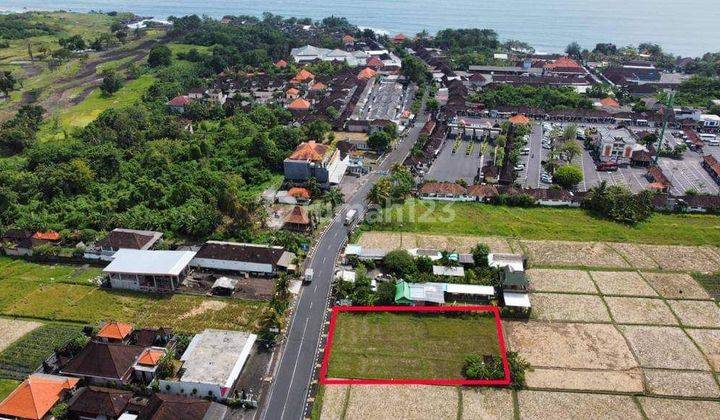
(402, 293)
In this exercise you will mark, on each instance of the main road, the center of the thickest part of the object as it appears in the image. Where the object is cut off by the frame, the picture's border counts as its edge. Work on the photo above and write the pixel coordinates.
(296, 367)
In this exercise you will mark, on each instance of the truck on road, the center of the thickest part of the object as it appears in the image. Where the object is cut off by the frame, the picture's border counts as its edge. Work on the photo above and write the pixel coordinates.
(350, 217)
(308, 275)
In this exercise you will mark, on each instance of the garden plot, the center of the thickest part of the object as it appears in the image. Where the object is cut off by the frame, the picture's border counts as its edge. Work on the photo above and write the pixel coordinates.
(565, 253)
(570, 345)
(681, 384)
(694, 313)
(668, 409)
(709, 342)
(664, 348)
(623, 283)
(681, 258)
(637, 257)
(13, 329)
(629, 380)
(676, 286)
(333, 402)
(459, 243)
(551, 280)
(565, 405)
(564, 307)
(628, 310)
(487, 403)
(402, 402)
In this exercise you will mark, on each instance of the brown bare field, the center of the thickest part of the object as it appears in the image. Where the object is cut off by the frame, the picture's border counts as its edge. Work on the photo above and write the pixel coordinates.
(12, 329)
(711, 251)
(637, 257)
(392, 240)
(402, 402)
(570, 345)
(565, 405)
(487, 403)
(586, 380)
(676, 286)
(623, 283)
(590, 254)
(551, 280)
(333, 401)
(664, 348)
(561, 307)
(668, 409)
(696, 313)
(681, 384)
(709, 342)
(681, 258)
(627, 310)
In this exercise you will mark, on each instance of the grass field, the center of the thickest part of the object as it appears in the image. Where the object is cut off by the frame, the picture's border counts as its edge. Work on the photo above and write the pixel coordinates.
(387, 345)
(26, 354)
(62, 293)
(544, 223)
(7, 386)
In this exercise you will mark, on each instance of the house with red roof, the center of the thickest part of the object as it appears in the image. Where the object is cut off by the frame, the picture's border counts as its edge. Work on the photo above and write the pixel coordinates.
(36, 396)
(292, 94)
(299, 104)
(315, 160)
(375, 62)
(115, 332)
(348, 40)
(281, 64)
(564, 65)
(398, 38)
(366, 74)
(519, 119)
(178, 104)
(303, 76)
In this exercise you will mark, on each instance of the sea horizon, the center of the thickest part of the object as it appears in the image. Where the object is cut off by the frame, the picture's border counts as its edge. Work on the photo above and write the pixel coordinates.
(689, 27)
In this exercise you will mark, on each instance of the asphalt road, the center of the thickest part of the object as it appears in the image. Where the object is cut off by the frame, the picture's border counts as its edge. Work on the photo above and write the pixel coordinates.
(296, 367)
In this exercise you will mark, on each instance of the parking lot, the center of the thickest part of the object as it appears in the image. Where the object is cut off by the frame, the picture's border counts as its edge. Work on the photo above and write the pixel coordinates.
(450, 167)
(684, 174)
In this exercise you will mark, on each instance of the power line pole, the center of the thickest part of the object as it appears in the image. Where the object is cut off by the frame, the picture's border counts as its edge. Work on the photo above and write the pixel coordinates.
(666, 116)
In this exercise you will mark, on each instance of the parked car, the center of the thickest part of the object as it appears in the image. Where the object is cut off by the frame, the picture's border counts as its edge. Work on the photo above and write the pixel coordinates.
(519, 167)
(546, 179)
(525, 151)
(607, 167)
(546, 146)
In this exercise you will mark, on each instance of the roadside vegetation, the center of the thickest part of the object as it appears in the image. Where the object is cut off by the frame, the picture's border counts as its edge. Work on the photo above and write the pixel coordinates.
(545, 223)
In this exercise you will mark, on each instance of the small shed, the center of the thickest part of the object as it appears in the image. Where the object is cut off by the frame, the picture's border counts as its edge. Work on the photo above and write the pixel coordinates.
(440, 270)
(224, 286)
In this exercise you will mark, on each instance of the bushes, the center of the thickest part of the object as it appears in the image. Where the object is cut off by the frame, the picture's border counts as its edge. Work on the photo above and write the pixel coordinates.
(619, 204)
(568, 176)
(400, 263)
(514, 200)
(476, 368)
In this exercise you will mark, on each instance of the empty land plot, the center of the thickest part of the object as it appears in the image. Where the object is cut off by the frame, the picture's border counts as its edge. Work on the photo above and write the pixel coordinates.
(664, 348)
(637, 257)
(630, 310)
(563, 307)
(623, 283)
(12, 329)
(552, 280)
(681, 258)
(694, 313)
(402, 402)
(567, 405)
(459, 243)
(403, 345)
(564, 253)
(27, 353)
(570, 345)
(333, 402)
(669, 409)
(629, 380)
(709, 342)
(487, 403)
(681, 384)
(676, 285)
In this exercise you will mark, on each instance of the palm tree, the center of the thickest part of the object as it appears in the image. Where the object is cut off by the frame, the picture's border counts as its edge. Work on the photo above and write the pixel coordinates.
(335, 197)
(380, 192)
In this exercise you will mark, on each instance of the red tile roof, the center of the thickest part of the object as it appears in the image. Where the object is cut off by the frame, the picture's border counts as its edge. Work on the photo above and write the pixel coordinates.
(564, 64)
(367, 73)
(292, 91)
(299, 192)
(610, 102)
(399, 38)
(299, 104)
(445, 188)
(115, 330)
(50, 235)
(318, 86)
(375, 62)
(303, 76)
(347, 39)
(150, 357)
(482, 191)
(519, 119)
(298, 216)
(181, 100)
(34, 398)
(281, 64)
(310, 151)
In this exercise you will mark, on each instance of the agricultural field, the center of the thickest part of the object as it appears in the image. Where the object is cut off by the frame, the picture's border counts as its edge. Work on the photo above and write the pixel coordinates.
(542, 223)
(387, 345)
(7, 386)
(25, 355)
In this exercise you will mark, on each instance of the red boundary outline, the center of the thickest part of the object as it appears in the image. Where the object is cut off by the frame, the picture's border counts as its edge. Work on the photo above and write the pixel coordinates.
(476, 382)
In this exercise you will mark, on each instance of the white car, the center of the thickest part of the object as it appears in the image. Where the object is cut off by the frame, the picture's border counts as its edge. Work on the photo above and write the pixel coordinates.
(525, 151)
(545, 178)
(519, 168)
(546, 146)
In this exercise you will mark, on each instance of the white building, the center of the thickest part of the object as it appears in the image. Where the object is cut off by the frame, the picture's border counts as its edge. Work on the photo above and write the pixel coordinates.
(147, 270)
(212, 364)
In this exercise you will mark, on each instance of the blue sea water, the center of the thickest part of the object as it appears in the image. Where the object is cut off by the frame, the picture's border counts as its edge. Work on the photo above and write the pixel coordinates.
(685, 27)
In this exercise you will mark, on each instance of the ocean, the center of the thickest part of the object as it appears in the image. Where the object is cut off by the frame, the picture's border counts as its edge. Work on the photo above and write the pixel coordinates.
(684, 27)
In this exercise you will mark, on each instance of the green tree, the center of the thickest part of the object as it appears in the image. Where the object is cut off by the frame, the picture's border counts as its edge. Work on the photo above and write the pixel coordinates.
(570, 150)
(568, 176)
(159, 56)
(400, 263)
(111, 83)
(480, 254)
(7, 82)
(379, 141)
(380, 192)
(415, 70)
(573, 50)
(385, 294)
(335, 197)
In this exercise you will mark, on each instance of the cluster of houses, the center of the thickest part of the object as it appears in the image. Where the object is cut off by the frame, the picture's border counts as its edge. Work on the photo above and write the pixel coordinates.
(122, 373)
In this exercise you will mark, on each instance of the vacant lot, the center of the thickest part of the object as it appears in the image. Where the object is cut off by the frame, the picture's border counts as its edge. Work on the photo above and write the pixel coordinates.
(676, 286)
(542, 223)
(12, 329)
(629, 310)
(565, 405)
(569, 281)
(564, 307)
(681, 384)
(622, 283)
(369, 402)
(664, 348)
(387, 345)
(396, 240)
(590, 254)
